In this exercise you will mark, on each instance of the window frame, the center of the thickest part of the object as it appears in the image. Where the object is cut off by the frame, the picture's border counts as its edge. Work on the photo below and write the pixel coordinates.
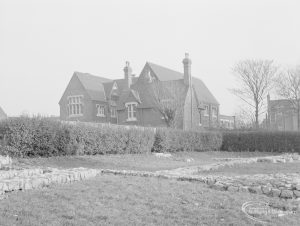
(131, 112)
(113, 109)
(75, 105)
(102, 112)
(206, 110)
(214, 112)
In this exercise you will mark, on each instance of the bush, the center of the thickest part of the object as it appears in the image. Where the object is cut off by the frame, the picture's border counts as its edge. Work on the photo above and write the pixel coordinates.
(30, 137)
(264, 141)
(169, 140)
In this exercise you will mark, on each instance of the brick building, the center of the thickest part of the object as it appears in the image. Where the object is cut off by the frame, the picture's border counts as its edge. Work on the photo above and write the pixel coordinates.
(227, 122)
(129, 100)
(281, 115)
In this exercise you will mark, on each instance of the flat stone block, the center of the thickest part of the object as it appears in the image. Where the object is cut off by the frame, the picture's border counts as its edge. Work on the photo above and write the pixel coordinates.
(255, 190)
(296, 193)
(233, 188)
(287, 194)
(266, 190)
(275, 192)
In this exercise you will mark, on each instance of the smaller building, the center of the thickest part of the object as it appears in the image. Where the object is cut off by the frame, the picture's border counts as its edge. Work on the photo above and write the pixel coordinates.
(281, 115)
(227, 122)
(2, 114)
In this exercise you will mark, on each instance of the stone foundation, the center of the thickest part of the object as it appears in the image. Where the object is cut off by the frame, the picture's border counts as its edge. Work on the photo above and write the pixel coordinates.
(14, 180)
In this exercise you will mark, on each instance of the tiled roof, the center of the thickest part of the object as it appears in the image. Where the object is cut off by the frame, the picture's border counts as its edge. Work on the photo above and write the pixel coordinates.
(93, 85)
(128, 95)
(163, 73)
(202, 92)
(166, 74)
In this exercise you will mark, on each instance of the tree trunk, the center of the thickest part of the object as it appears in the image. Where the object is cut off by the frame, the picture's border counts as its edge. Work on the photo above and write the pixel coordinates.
(256, 116)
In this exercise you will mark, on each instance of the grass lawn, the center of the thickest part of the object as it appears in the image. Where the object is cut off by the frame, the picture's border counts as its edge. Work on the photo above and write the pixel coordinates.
(147, 162)
(119, 200)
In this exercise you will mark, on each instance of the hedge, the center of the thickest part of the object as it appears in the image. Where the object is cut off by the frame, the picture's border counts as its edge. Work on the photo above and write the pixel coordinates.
(170, 140)
(31, 137)
(37, 136)
(264, 141)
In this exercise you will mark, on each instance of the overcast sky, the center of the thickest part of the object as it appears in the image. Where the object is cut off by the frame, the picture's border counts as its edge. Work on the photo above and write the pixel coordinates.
(43, 42)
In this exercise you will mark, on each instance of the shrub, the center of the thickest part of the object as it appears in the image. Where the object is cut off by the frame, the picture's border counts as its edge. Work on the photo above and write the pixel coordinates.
(38, 136)
(264, 141)
(170, 140)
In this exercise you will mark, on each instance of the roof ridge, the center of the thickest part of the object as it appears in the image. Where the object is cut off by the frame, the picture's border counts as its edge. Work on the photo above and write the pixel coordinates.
(148, 62)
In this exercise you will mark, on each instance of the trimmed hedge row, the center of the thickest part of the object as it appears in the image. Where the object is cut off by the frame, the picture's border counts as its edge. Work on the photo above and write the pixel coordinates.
(30, 137)
(167, 140)
(264, 141)
(44, 137)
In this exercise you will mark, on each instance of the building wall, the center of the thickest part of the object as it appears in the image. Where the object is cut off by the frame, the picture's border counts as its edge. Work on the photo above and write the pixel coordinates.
(145, 117)
(73, 89)
(283, 120)
(89, 106)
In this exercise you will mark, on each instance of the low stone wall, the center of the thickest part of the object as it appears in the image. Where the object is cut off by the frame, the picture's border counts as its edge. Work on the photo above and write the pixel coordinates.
(277, 185)
(237, 161)
(13, 180)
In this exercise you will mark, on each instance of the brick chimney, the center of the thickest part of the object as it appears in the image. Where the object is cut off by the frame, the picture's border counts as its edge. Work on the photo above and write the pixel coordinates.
(128, 74)
(187, 70)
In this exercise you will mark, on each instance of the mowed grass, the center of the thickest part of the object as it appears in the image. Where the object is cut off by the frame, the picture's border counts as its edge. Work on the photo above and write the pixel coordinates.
(147, 162)
(120, 200)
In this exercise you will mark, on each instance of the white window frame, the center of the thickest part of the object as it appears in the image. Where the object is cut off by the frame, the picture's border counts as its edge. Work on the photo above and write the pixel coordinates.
(131, 114)
(113, 111)
(100, 110)
(206, 110)
(214, 112)
(75, 105)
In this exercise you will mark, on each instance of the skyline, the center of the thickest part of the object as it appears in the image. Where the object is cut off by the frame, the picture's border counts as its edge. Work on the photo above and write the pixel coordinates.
(43, 43)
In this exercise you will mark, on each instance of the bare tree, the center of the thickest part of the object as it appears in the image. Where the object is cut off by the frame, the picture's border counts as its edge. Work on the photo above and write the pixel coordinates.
(288, 87)
(168, 100)
(255, 79)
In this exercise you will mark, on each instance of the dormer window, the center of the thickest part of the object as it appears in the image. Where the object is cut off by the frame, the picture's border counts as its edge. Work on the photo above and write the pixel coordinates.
(131, 111)
(100, 110)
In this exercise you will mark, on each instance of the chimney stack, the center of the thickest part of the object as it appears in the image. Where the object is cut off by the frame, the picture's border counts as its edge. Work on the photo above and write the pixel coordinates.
(187, 70)
(128, 74)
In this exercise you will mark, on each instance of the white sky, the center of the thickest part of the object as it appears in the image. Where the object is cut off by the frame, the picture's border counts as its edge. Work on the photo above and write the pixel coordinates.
(43, 42)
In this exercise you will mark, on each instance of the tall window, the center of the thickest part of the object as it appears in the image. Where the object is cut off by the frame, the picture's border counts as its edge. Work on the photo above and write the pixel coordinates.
(113, 112)
(100, 110)
(131, 111)
(206, 110)
(75, 105)
(214, 112)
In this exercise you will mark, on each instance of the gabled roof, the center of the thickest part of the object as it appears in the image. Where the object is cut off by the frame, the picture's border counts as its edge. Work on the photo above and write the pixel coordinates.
(2, 114)
(202, 92)
(163, 73)
(128, 95)
(108, 87)
(122, 83)
(93, 85)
